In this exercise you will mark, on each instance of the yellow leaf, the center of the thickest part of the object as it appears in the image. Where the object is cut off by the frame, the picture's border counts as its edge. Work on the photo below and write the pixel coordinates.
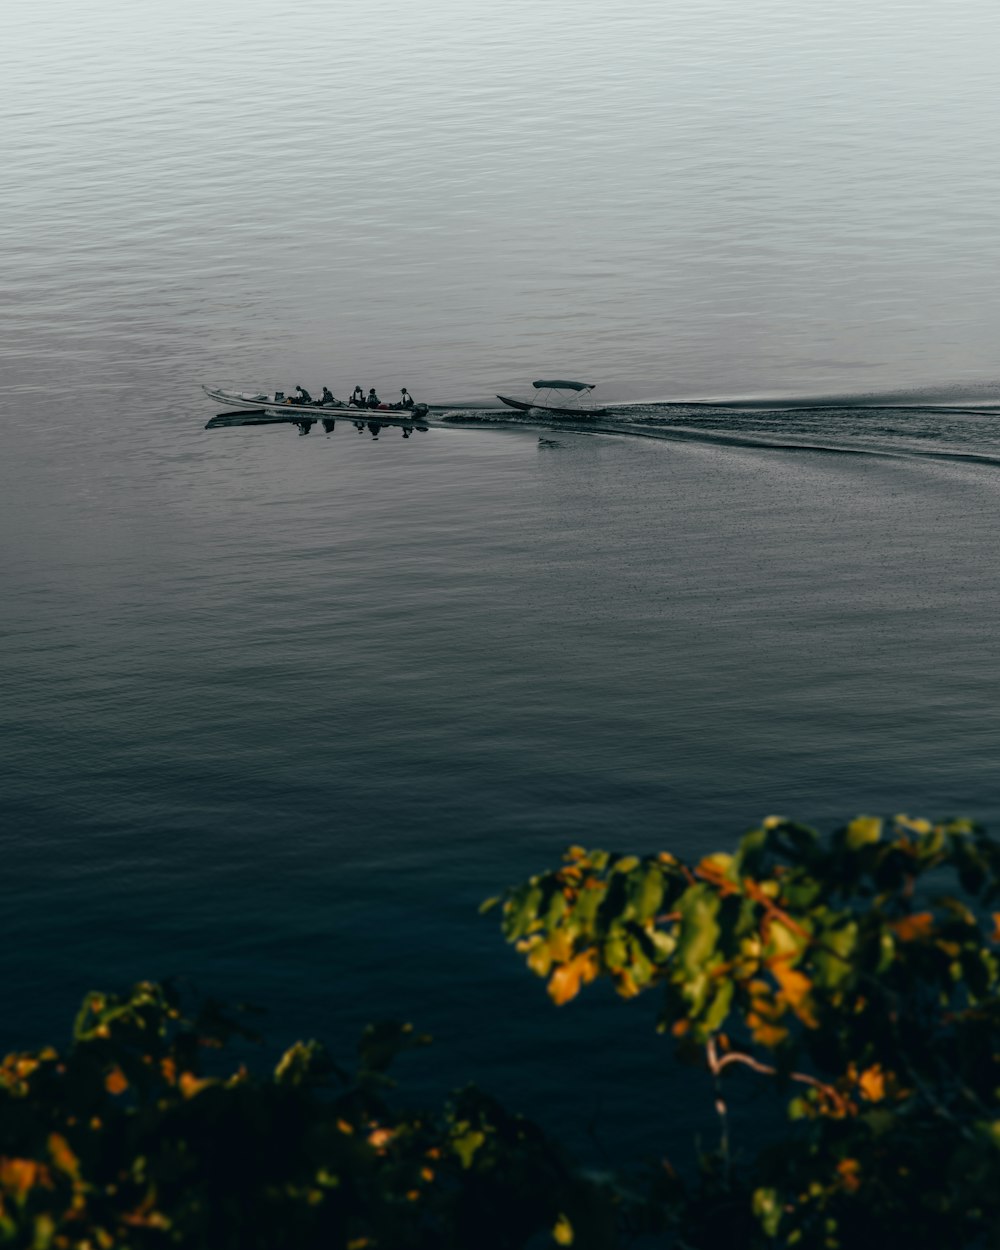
(21, 1175)
(862, 831)
(115, 1082)
(910, 927)
(917, 826)
(565, 982)
(767, 1034)
(872, 1083)
(850, 1174)
(466, 1144)
(715, 864)
(62, 1156)
(996, 926)
(561, 946)
(380, 1137)
(562, 1232)
(782, 941)
(795, 988)
(540, 957)
(625, 986)
(794, 985)
(191, 1085)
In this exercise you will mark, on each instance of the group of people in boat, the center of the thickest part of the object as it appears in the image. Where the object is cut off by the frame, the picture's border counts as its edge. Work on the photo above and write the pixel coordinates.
(358, 399)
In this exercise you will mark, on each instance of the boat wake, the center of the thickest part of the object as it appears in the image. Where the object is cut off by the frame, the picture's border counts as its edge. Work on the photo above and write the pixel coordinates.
(855, 426)
(958, 424)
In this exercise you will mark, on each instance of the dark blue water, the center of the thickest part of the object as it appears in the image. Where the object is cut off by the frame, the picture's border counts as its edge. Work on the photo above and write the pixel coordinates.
(280, 711)
(276, 713)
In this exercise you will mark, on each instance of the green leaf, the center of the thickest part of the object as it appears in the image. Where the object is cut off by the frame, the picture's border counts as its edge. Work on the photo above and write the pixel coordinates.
(699, 932)
(524, 911)
(767, 1208)
(863, 831)
(646, 890)
(832, 959)
(717, 1012)
(466, 1145)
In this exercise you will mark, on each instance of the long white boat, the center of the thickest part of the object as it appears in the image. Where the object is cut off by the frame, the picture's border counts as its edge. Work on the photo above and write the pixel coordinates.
(282, 405)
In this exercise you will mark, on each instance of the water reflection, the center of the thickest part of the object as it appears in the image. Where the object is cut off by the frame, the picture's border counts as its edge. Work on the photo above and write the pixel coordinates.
(232, 420)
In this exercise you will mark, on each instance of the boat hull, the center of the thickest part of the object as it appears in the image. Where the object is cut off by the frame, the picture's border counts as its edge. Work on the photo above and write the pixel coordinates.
(247, 402)
(524, 406)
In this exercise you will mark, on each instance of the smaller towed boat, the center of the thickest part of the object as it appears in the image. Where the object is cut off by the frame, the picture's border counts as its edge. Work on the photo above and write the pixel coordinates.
(551, 392)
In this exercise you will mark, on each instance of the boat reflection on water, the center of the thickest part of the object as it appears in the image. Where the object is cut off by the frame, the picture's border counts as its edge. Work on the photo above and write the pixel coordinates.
(232, 420)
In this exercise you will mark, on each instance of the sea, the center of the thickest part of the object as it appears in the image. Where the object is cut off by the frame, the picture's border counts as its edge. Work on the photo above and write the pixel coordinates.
(279, 712)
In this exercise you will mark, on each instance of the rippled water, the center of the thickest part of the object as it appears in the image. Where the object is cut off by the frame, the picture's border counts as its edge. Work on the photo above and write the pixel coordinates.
(279, 711)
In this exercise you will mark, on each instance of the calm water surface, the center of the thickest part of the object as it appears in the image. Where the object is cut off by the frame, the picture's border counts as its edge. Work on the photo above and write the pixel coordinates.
(279, 711)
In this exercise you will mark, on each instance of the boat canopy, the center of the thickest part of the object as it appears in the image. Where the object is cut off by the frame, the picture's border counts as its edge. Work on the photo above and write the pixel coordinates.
(563, 386)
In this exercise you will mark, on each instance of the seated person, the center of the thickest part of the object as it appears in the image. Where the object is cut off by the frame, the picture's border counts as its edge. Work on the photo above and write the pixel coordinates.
(304, 396)
(372, 400)
(327, 397)
(407, 400)
(357, 397)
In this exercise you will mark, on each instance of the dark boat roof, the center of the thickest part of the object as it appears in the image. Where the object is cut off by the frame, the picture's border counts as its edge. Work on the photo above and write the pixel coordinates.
(560, 385)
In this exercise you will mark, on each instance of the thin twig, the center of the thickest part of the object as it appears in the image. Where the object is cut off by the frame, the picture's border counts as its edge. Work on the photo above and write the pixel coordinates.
(767, 1070)
(715, 1066)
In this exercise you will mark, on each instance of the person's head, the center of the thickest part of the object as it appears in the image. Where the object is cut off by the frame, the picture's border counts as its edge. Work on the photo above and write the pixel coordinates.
(371, 390)
(403, 391)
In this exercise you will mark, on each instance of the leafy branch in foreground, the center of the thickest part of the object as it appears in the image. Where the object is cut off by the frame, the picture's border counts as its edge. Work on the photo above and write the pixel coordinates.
(126, 1143)
(857, 974)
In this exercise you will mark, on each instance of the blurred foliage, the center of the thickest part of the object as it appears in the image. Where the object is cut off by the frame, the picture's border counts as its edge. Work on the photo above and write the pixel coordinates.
(855, 976)
(125, 1143)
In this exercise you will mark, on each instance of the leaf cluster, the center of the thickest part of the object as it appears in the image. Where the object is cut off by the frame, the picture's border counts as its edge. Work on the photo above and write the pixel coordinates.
(142, 1136)
(857, 974)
